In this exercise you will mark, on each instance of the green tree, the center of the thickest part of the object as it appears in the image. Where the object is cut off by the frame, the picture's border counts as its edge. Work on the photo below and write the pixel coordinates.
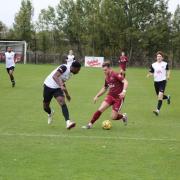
(44, 29)
(47, 19)
(23, 26)
(148, 27)
(103, 27)
(71, 20)
(176, 36)
(3, 30)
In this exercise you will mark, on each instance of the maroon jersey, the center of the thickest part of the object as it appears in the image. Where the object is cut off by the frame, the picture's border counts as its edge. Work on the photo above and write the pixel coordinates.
(114, 83)
(122, 62)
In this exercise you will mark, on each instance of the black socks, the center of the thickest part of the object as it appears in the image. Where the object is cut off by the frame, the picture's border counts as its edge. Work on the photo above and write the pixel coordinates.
(65, 111)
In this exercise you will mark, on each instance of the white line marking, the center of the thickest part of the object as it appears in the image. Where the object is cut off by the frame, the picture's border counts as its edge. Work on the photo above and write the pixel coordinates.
(90, 137)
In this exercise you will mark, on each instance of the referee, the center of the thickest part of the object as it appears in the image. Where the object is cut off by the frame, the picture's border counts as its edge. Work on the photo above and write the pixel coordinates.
(161, 73)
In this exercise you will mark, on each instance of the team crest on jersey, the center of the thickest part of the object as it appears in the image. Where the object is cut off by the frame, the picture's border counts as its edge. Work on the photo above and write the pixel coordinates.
(111, 85)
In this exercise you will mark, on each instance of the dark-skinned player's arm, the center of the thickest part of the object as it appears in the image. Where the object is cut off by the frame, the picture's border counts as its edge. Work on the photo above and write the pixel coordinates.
(101, 92)
(61, 84)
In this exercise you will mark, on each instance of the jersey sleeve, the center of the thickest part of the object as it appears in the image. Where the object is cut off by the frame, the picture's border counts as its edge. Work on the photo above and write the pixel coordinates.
(126, 59)
(119, 77)
(151, 69)
(167, 66)
(62, 69)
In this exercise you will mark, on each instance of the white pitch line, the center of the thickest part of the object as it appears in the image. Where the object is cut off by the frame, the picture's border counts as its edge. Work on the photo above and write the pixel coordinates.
(89, 137)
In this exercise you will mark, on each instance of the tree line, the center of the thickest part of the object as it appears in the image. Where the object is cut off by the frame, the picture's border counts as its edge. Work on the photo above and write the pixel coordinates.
(101, 28)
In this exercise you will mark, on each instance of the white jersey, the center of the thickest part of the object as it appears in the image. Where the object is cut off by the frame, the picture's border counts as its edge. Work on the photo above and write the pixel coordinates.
(9, 58)
(65, 75)
(159, 70)
(70, 59)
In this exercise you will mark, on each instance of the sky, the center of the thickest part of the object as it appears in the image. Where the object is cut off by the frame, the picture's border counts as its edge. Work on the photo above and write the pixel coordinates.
(10, 7)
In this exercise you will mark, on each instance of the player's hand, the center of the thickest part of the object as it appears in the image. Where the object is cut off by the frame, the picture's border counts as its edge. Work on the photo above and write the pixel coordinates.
(121, 72)
(62, 87)
(68, 97)
(149, 74)
(17, 60)
(122, 95)
(95, 99)
(168, 78)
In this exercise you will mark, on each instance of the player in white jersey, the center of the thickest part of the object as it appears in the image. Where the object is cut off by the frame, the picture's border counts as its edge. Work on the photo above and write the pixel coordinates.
(10, 64)
(70, 58)
(161, 73)
(54, 86)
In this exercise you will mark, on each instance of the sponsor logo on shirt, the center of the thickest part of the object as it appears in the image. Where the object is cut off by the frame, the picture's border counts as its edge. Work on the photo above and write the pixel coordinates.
(111, 85)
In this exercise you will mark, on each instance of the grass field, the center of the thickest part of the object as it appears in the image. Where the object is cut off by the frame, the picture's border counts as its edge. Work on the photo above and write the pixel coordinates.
(148, 148)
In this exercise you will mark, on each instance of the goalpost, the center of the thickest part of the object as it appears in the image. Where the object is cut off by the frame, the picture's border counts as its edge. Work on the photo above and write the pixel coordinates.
(19, 47)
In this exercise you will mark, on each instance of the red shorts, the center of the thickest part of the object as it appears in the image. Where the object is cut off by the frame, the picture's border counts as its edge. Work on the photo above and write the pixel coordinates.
(116, 103)
(123, 67)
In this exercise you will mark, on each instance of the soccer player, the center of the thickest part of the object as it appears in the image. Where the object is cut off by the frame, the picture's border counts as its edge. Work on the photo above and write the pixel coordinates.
(10, 64)
(122, 62)
(161, 73)
(70, 58)
(117, 86)
(54, 86)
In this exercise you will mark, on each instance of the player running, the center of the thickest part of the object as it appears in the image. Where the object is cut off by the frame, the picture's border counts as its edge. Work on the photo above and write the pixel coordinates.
(10, 64)
(70, 58)
(117, 86)
(54, 86)
(160, 71)
(122, 62)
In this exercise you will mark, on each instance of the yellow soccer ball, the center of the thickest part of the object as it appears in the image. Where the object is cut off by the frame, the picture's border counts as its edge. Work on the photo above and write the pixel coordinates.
(106, 124)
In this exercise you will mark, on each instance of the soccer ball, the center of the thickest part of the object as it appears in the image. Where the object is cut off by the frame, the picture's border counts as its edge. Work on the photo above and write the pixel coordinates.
(106, 124)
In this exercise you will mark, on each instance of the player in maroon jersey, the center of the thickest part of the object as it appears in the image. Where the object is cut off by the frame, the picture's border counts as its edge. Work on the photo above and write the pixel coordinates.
(117, 86)
(122, 62)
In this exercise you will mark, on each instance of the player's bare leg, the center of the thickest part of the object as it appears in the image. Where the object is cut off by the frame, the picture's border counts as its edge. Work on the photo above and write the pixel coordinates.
(168, 98)
(122, 72)
(104, 105)
(160, 100)
(117, 116)
(65, 111)
(46, 106)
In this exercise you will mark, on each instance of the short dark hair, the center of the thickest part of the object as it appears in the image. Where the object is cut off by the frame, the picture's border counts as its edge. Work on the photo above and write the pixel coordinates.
(76, 64)
(161, 53)
(106, 64)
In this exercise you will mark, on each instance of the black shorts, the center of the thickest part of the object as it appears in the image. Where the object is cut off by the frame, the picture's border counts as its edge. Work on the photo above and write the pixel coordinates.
(160, 86)
(10, 68)
(49, 93)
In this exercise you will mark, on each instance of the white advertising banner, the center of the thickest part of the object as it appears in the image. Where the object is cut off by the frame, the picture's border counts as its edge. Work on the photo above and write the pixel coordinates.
(91, 61)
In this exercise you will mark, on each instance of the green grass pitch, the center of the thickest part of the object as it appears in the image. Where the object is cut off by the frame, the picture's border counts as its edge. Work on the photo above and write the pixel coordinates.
(147, 149)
